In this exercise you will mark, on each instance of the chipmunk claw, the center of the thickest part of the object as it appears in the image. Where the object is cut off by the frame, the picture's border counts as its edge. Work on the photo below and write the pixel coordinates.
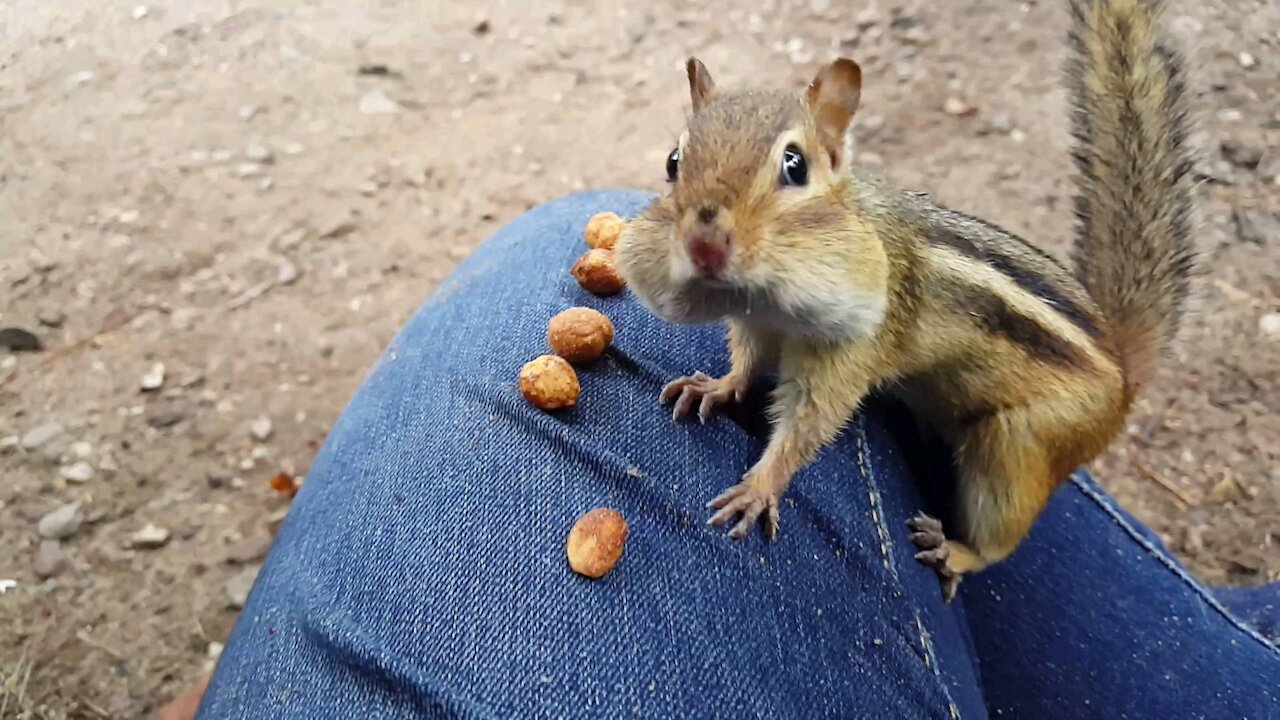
(700, 388)
(931, 543)
(748, 503)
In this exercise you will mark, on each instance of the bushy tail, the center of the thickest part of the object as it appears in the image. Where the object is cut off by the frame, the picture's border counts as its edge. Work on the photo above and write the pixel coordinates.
(1133, 249)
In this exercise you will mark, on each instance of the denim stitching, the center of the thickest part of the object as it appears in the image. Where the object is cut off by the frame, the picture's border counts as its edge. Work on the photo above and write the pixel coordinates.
(1103, 502)
(931, 662)
(886, 550)
(873, 493)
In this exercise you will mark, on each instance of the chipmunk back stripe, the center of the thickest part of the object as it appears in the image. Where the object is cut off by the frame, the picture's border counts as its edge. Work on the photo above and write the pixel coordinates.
(996, 316)
(1028, 278)
(1031, 247)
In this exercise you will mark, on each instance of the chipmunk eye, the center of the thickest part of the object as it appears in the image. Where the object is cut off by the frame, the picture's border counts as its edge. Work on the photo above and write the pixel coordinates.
(673, 165)
(795, 170)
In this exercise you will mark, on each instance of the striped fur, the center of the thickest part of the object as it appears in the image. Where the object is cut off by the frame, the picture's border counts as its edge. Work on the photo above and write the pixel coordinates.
(848, 283)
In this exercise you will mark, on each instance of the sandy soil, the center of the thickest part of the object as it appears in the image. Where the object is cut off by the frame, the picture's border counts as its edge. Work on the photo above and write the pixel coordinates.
(256, 194)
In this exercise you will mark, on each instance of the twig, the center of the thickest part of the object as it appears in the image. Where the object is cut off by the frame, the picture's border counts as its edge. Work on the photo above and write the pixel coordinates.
(250, 295)
(14, 686)
(96, 709)
(1146, 472)
(1235, 294)
(84, 637)
(107, 328)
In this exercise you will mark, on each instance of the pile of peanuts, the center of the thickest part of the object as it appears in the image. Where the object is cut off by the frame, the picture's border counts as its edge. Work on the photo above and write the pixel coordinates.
(578, 336)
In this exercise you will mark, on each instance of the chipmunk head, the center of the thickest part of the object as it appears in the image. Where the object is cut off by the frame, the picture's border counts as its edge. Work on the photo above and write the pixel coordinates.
(756, 201)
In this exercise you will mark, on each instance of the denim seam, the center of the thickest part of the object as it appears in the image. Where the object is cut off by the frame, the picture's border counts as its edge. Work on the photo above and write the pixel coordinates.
(1172, 565)
(873, 494)
(886, 550)
(931, 662)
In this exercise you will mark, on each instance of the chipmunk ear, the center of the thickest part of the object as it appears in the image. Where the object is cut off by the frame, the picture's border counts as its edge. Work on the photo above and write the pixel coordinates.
(701, 87)
(833, 99)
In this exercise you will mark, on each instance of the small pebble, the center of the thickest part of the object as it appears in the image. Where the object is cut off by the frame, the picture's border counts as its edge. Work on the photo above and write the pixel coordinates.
(337, 224)
(1269, 324)
(78, 472)
(1256, 228)
(140, 12)
(161, 419)
(1247, 60)
(1241, 155)
(42, 263)
(249, 550)
(1227, 490)
(259, 153)
(20, 340)
(40, 435)
(287, 273)
(376, 102)
(60, 523)
(149, 537)
(50, 317)
(108, 464)
(154, 378)
(50, 559)
(1186, 26)
(1001, 123)
(82, 449)
(957, 107)
(9, 443)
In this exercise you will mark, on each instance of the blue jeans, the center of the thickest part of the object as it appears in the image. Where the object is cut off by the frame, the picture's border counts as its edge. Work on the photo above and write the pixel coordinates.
(421, 571)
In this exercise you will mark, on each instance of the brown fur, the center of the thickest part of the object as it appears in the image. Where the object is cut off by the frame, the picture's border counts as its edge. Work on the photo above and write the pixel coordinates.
(848, 283)
(1134, 207)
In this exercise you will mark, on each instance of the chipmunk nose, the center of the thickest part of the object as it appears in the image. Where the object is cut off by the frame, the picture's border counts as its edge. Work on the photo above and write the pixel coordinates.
(708, 214)
(708, 249)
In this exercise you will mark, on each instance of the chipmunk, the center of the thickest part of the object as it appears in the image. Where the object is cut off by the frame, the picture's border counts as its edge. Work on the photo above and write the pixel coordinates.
(842, 283)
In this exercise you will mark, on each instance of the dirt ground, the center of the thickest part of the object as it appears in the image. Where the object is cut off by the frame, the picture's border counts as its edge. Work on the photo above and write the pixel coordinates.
(255, 195)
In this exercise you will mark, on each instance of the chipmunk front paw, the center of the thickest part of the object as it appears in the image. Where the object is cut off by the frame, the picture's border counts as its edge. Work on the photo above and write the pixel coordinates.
(747, 502)
(703, 389)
